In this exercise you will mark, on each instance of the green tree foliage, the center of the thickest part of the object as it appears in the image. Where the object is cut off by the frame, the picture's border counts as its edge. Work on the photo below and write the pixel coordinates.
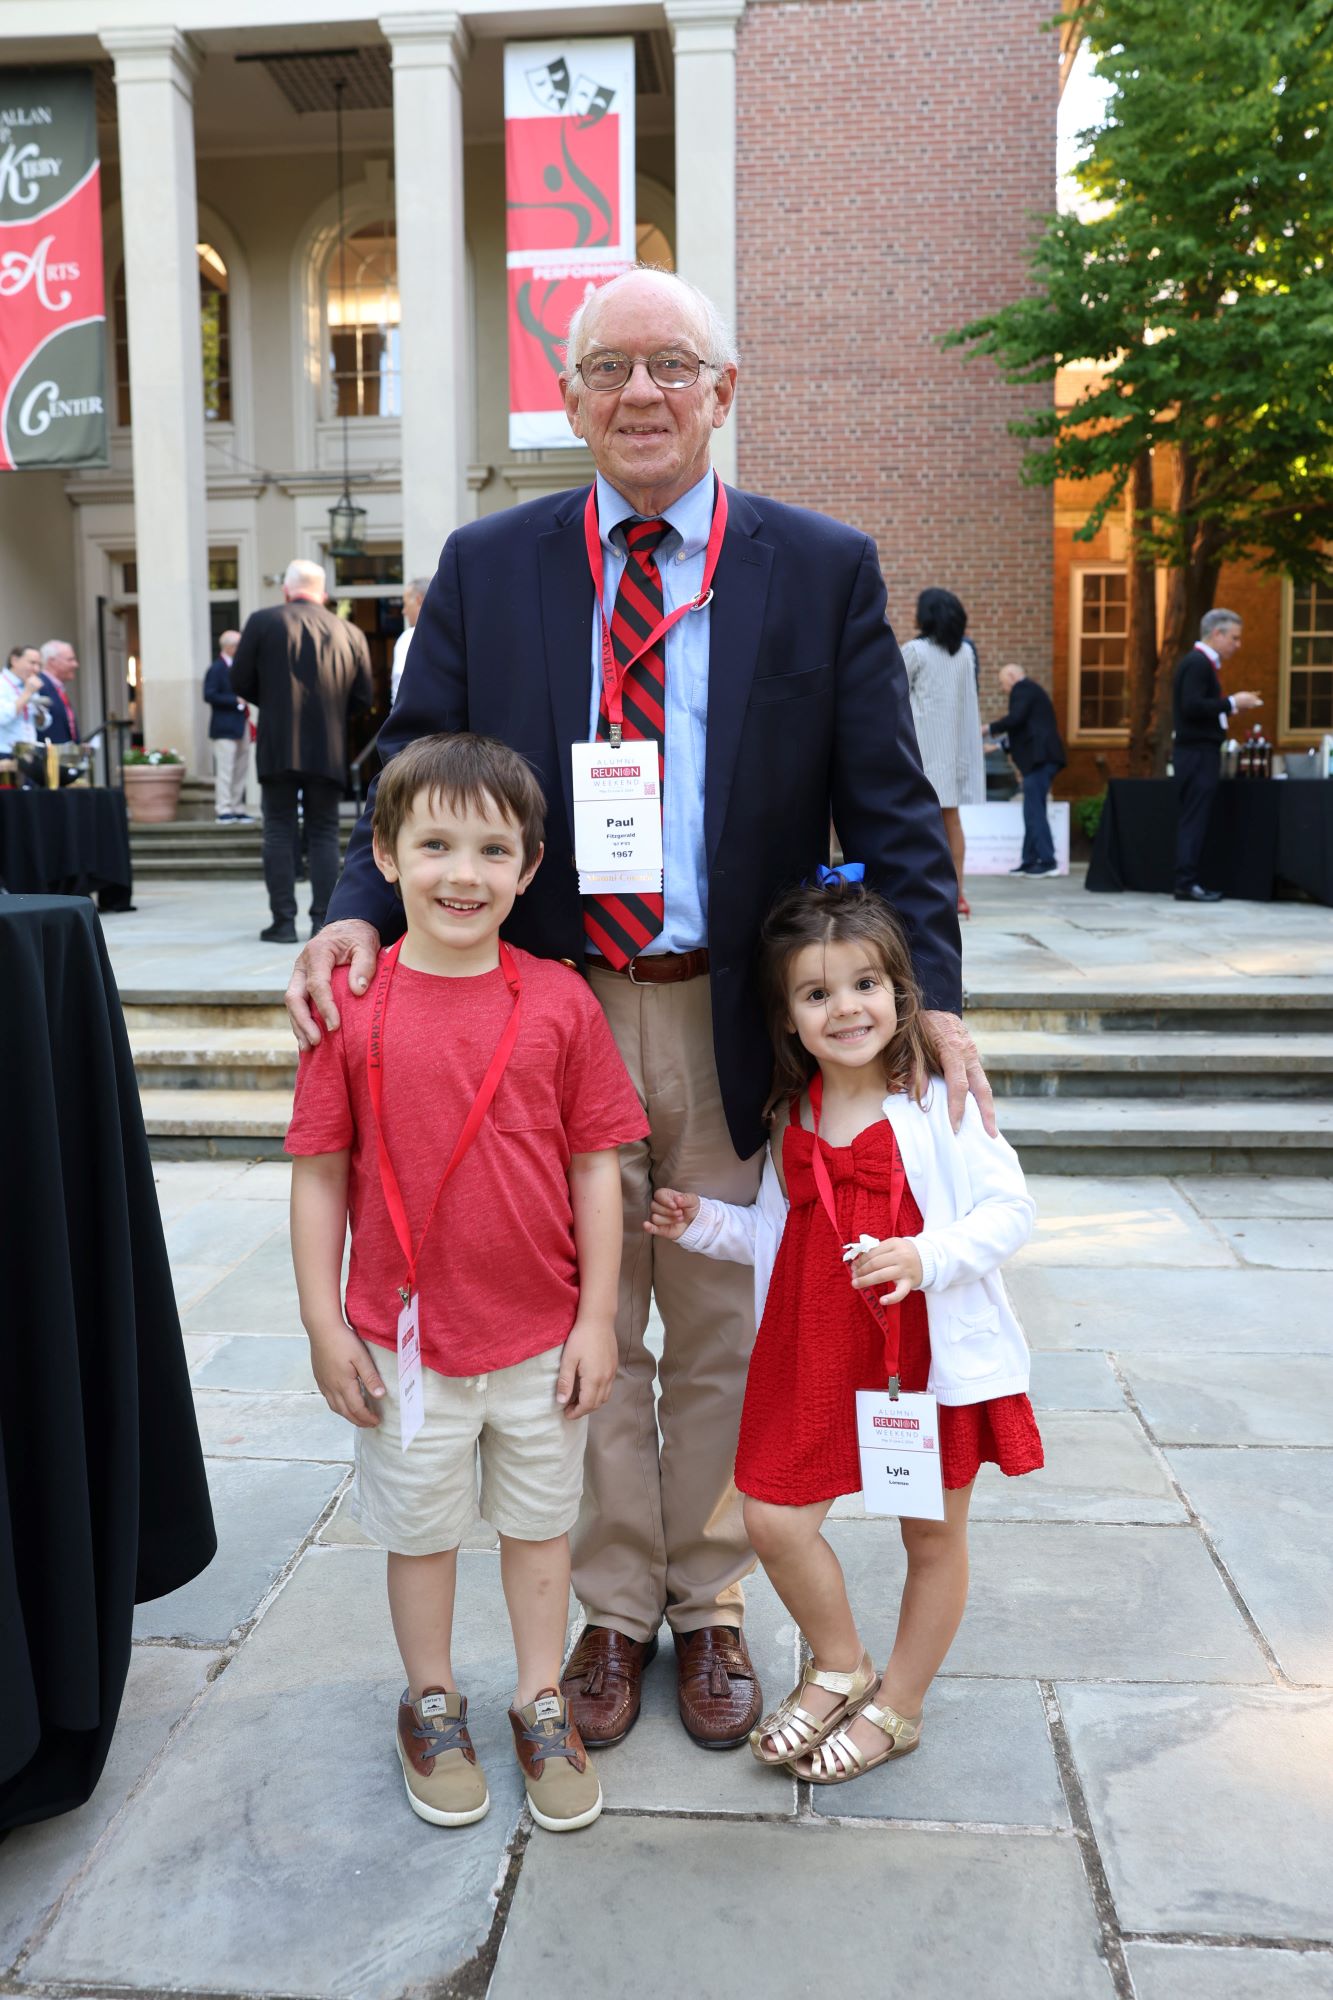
(1201, 284)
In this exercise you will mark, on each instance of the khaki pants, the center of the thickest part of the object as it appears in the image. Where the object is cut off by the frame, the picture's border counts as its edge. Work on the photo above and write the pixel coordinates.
(660, 1529)
(231, 761)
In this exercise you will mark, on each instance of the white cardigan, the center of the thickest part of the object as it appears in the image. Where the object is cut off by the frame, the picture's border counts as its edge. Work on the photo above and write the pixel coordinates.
(975, 1211)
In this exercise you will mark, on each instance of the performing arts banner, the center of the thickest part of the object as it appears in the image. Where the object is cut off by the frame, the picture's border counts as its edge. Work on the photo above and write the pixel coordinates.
(569, 210)
(52, 310)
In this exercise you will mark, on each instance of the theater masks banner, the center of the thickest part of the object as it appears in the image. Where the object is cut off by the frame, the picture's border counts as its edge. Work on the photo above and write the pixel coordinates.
(569, 201)
(52, 314)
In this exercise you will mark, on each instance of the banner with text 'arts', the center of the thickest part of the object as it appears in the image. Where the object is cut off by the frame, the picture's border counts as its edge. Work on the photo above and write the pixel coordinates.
(569, 202)
(52, 314)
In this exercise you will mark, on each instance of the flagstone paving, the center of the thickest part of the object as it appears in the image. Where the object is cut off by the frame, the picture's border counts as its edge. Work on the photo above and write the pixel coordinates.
(1122, 1790)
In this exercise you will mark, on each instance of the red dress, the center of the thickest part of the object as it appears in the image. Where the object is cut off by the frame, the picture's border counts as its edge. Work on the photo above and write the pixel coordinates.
(818, 1344)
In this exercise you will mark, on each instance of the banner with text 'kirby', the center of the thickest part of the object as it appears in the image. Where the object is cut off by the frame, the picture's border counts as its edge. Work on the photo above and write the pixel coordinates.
(569, 210)
(52, 313)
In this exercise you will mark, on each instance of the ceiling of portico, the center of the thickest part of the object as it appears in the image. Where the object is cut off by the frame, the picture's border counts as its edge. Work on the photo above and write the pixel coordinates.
(243, 100)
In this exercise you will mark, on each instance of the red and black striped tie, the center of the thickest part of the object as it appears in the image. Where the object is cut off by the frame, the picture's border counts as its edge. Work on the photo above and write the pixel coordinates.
(619, 927)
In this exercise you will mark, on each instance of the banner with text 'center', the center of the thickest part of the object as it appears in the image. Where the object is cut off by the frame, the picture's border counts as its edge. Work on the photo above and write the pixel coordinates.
(569, 210)
(52, 312)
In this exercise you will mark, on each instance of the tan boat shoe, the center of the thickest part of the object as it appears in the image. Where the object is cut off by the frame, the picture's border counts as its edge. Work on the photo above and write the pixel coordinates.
(563, 1789)
(445, 1784)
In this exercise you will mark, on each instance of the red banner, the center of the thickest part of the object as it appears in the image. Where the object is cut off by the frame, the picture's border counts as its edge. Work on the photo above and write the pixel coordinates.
(569, 188)
(52, 320)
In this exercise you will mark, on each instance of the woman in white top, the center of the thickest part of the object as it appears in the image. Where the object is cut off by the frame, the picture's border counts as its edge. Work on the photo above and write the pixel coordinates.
(941, 679)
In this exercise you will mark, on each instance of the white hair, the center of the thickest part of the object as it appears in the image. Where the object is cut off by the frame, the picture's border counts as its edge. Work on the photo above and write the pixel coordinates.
(51, 647)
(718, 345)
(1212, 621)
(305, 576)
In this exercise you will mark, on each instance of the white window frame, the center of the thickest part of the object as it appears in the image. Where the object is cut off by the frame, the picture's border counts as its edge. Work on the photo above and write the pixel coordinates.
(1074, 733)
(1287, 731)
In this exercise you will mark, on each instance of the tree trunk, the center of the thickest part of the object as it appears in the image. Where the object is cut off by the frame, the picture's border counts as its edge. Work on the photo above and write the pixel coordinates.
(1190, 591)
(1140, 617)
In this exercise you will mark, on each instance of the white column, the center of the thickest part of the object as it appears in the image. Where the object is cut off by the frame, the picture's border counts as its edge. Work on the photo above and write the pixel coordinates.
(703, 35)
(429, 51)
(155, 74)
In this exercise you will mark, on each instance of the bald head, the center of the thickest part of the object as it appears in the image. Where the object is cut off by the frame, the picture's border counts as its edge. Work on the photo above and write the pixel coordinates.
(1010, 676)
(694, 311)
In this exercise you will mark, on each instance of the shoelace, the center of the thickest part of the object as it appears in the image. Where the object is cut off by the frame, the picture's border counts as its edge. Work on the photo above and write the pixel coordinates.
(556, 1744)
(441, 1736)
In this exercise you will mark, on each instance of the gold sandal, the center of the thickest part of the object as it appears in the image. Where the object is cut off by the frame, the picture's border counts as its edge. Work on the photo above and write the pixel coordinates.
(794, 1731)
(903, 1737)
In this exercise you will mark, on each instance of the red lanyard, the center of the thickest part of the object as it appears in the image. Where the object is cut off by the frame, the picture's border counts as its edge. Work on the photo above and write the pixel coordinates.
(393, 1199)
(886, 1317)
(613, 674)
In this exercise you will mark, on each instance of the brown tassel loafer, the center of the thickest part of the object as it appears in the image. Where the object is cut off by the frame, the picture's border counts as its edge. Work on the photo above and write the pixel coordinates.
(718, 1692)
(603, 1683)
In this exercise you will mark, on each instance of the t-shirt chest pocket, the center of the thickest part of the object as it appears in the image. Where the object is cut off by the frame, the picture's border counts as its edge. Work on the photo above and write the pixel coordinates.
(527, 1099)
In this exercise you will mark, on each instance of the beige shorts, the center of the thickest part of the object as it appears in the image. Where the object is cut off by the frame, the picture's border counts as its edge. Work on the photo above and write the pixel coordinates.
(423, 1500)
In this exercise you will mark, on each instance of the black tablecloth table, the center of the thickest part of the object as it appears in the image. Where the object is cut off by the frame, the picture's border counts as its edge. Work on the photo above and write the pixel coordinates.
(1263, 833)
(103, 1499)
(67, 843)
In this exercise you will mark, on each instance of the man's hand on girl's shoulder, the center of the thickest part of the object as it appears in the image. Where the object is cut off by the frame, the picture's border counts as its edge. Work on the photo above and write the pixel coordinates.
(587, 1367)
(960, 1066)
(671, 1213)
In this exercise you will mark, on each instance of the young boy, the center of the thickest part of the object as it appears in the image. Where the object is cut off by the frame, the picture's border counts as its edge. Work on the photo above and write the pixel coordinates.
(466, 1115)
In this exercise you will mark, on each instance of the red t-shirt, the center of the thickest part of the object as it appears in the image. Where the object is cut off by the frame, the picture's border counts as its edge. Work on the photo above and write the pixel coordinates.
(497, 1274)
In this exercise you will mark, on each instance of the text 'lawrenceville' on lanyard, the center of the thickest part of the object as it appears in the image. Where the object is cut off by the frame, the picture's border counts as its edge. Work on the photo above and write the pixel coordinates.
(613, 670)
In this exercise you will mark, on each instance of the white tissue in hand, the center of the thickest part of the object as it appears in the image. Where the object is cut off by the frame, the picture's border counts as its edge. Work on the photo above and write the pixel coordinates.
(851, 1251)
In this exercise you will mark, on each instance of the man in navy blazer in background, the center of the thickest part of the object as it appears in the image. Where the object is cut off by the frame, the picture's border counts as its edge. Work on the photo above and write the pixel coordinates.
(1200, 716)
(786, 701)
(60, 666)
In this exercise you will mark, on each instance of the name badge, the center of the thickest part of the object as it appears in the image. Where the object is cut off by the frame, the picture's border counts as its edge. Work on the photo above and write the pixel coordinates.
(411, 1403)
(617, 818)
(899, 1442)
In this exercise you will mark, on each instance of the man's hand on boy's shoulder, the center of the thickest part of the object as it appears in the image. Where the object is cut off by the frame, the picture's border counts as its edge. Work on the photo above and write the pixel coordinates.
(587, 1367)
(346, 1375)
(309, 996)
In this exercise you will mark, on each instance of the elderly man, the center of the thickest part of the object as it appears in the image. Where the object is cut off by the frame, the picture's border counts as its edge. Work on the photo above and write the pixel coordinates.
(413, 598)
(60, 666)
(306, 670)
(229, 733)
(1032, 737)
(1200, 715)
(777, 695)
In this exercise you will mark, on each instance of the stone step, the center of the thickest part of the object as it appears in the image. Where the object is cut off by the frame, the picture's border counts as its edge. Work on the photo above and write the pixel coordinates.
(1245, 1008)
(1038, 1063)
(1052, 1136)
(202, 1058)
(231, 867)
(1189, 1135)
(210, 1124)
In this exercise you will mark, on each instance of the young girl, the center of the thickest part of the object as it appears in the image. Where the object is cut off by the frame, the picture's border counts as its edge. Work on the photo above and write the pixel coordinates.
(945, 1209)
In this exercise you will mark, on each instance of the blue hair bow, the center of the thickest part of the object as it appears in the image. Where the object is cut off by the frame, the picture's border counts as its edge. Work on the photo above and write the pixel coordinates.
(850, 871)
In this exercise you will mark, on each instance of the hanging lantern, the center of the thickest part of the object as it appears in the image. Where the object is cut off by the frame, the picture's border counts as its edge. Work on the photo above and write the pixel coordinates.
(347, 527)
(347, 521)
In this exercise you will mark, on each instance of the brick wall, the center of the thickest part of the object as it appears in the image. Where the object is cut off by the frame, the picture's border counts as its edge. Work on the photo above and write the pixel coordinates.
(891, 154)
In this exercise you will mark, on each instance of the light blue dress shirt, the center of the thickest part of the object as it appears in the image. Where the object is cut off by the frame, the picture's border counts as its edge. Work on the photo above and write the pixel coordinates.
(680, 561)
(16, 726)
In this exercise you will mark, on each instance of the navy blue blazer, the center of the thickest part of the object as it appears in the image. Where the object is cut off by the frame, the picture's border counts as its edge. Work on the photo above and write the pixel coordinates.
(808, 716)
(227, 722)
(58, 729)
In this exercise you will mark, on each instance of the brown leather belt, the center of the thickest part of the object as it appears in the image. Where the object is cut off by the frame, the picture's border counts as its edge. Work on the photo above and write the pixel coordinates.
(664, 968)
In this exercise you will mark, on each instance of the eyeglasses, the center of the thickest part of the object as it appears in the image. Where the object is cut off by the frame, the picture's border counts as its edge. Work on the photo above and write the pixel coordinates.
(670, 368)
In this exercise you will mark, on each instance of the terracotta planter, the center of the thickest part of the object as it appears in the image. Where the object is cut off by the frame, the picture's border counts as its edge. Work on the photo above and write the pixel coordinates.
(152, 792)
